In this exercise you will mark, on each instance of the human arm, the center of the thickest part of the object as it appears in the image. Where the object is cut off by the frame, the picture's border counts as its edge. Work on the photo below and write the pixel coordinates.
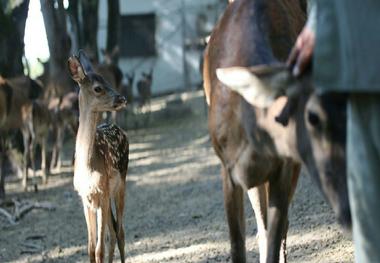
(301, 55)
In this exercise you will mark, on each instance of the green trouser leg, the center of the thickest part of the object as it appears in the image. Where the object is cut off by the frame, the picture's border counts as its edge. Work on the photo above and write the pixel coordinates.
(363, 161)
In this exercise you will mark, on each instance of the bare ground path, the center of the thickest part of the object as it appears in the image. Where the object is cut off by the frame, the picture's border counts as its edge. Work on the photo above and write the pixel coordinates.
(174, 207)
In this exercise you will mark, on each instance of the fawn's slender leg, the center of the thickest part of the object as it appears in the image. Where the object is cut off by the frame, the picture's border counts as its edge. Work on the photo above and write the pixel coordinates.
(43, 161)
(60, 138)
(32, 149)
(25, 136)
(53, 161)
(119, 201)
(91, 231)
(112, 231)
(103, 215)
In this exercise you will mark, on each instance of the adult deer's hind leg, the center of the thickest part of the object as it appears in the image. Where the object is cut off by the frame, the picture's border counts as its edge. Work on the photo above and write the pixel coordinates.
(234, 206)
(259, 201)
(280, 188)
(293, 184)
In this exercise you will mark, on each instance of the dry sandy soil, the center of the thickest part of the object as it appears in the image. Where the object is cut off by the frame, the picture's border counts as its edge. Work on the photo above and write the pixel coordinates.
(174, 205)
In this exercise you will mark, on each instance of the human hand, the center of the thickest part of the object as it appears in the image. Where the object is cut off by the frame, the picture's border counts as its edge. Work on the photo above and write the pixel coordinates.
(300, 56)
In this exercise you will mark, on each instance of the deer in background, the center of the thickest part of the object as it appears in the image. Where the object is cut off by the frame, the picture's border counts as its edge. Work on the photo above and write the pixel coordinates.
(128, 87)
(6, 94)
(39, 124)
(144, 91)
(16, 95)
(144, 88)
(101, 159)
(66, 114)
(127, 92)
(264, 123)
(111, 72)
(109, 69)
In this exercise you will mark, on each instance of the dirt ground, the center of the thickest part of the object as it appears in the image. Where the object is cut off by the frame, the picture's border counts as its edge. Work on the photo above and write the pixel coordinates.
(174, 204)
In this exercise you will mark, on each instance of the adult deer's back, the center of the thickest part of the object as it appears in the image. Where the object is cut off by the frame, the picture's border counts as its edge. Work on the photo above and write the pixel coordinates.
(252, 33)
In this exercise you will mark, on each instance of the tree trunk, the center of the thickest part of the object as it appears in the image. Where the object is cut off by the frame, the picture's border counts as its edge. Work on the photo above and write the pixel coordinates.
(73, 12)
(56, 32)
(12, 32)
(90, 27)
(113, 27)
(59, 47)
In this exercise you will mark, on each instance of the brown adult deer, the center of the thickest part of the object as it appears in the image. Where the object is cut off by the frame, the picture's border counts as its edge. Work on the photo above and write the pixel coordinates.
(62, 102)
(39, 124)
(144, 89)
(6, 93)
(127, 91)
(264, 123)
(128, 88)
(101, 159)
(17, 94)
(66, 113)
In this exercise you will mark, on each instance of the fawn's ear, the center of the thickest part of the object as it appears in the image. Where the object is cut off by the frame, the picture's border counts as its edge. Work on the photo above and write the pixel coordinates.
(85, 62)
(76, 70)
(259, 85)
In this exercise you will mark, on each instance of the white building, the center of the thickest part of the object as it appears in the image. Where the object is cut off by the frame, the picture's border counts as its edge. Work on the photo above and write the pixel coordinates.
(152, 36)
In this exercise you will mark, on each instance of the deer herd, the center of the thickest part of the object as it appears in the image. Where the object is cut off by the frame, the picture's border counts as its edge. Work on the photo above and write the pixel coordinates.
(264, 125)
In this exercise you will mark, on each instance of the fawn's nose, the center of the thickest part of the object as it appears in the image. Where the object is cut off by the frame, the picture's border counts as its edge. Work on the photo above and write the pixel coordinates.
(119, 101)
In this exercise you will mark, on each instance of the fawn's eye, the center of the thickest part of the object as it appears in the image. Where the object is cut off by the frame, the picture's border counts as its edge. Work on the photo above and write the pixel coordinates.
(313, 119)
(97, 89)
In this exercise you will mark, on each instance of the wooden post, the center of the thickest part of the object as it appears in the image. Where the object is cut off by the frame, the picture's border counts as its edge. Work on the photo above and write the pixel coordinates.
(185, 67)
(113, 27)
